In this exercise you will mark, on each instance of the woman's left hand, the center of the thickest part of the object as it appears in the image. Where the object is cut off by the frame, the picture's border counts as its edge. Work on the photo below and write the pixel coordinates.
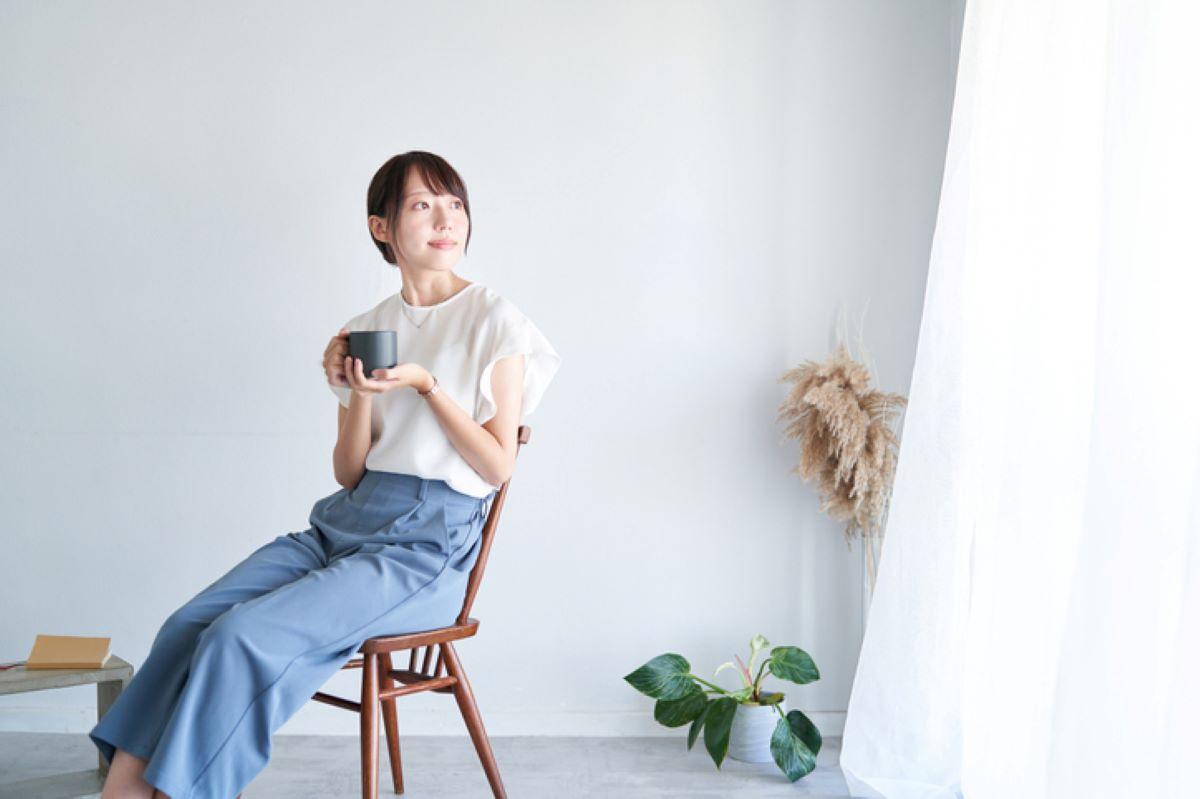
(383, 380)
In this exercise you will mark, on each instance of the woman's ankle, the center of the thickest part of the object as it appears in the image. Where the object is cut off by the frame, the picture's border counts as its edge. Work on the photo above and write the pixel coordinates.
(125, 780)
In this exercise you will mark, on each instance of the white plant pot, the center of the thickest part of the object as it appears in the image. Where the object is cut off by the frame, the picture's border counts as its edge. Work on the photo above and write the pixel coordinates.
(750, 735)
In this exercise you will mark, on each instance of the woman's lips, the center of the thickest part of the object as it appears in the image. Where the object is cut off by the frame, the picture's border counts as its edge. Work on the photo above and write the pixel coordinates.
(442, 245)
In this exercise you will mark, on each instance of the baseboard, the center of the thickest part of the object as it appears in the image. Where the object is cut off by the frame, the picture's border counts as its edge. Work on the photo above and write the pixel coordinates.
(318, 719)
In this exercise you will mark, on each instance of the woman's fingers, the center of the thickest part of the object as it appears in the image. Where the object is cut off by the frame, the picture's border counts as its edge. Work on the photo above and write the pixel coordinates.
(334, 359)
(381, 380)
(336, 350)
(335, 356)
(357, 379)
(335, 371)
(386, 375)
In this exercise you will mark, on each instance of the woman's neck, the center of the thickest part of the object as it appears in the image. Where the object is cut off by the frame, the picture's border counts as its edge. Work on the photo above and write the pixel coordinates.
(432, 288)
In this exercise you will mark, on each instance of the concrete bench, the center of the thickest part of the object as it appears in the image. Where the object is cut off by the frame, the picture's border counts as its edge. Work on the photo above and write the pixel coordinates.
(110, 681)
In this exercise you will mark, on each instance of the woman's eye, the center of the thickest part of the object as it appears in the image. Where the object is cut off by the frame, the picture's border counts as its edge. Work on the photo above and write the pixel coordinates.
(455, 203)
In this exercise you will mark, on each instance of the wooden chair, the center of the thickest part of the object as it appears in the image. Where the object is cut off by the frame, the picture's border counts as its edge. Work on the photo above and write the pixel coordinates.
(379, 674)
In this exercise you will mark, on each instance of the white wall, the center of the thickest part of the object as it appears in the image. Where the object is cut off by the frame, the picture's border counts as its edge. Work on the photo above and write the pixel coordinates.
(679, 195)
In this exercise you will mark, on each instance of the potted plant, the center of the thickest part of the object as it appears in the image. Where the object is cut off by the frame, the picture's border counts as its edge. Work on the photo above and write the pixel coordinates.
(740, 723)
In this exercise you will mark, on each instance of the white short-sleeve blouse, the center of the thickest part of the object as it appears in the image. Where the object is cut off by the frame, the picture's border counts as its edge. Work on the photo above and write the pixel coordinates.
(459, 340)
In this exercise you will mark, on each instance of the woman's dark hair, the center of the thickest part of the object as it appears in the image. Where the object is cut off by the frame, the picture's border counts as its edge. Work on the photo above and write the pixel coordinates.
(383, 195)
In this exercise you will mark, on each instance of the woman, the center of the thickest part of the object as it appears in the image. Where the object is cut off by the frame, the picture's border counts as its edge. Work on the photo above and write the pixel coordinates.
(421, 448)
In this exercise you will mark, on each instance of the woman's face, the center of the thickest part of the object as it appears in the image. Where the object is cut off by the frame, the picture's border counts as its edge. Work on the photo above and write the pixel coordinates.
(431, 230)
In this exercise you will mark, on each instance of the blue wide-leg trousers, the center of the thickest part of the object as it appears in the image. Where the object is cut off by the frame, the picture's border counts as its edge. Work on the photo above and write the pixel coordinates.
(229, 667)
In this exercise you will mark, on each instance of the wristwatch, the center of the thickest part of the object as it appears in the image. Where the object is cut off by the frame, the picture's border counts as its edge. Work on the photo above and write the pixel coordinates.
(432, 389)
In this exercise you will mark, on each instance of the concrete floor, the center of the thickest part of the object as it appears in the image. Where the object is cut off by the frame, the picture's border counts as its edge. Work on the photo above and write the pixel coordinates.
(308, 767)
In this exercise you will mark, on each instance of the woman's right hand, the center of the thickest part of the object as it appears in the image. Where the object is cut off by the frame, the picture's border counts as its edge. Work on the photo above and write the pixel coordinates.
(334, 362)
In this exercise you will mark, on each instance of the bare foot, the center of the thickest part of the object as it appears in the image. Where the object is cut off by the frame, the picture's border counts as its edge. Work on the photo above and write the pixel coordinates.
(125, 781)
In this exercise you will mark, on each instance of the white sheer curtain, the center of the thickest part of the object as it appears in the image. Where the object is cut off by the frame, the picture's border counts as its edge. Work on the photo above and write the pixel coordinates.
(1035, 630)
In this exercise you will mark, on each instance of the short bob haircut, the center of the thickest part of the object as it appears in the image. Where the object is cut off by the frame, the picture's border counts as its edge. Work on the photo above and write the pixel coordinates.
(383, 195)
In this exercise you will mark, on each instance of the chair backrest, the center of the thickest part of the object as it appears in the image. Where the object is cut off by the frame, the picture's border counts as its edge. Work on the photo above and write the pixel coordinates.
(489, 533)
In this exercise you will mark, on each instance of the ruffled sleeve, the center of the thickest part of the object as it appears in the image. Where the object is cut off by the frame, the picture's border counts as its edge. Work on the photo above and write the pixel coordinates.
(342, 393)
(514, 334)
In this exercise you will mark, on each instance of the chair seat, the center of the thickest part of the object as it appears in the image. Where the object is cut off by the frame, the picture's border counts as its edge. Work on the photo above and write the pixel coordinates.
(395, 643)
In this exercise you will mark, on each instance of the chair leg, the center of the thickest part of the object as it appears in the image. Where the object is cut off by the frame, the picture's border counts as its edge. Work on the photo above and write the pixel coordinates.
(470, 713)
(390, 725)
(369, 727)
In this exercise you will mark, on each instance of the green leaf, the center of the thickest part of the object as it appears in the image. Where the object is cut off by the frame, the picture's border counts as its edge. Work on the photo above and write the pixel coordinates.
(697, 725)
(791, 754)
(793, 664)
(664, 677)
(803, 728)
(717, 721)
(722, 668)
(677, 712)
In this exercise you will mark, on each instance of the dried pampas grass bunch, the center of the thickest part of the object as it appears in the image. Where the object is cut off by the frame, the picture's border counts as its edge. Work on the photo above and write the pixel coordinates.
(846, 441)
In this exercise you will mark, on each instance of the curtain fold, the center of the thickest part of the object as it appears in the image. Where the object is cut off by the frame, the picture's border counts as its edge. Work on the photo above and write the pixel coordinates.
(1036, 618)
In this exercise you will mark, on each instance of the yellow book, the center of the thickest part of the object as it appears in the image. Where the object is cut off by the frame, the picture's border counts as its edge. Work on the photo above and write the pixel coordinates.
(68, 652)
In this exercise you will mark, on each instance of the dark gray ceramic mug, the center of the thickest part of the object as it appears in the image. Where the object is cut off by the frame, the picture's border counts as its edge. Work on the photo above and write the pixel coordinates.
(376, 349)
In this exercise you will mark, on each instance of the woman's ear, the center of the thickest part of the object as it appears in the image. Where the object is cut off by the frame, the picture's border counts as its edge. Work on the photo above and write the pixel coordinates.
(378, 228)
